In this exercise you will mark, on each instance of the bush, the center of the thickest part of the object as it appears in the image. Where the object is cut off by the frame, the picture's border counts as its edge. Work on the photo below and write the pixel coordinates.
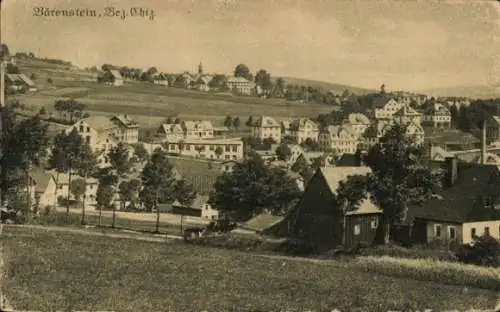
(415, 252)
(484, 251)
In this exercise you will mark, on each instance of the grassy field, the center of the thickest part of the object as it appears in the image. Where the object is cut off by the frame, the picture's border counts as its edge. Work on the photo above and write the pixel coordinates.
(71, 271)
(143, 100)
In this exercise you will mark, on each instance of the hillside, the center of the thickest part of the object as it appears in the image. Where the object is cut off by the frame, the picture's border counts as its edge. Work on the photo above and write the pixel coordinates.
(149, 103)
(480, 91)
(333, 87)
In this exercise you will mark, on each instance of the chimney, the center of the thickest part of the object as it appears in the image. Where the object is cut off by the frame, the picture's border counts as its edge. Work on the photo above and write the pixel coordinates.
(451, 171)
(483, 143)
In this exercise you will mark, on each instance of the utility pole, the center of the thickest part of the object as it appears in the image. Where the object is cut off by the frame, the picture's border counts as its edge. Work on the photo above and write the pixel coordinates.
(4, 52)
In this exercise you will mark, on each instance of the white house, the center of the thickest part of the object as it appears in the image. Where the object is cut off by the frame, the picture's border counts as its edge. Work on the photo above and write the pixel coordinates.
(341, 139)
(303, 129)
(170, 132)
(437, 116)
(62, 182)
(357, 122)
(45, 188)
(387, 110)
(197, 129)
(222, 149)
(239, 85)
(267, 127)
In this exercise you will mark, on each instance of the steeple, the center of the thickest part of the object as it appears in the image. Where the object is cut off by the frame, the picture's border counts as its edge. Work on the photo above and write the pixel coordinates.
(200, 69)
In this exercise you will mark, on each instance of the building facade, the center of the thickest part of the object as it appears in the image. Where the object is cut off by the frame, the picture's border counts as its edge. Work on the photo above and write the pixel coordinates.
(239, 85)
(220, 149)
(437, 116)
(267, 127)
(302, 129)
(340, 139)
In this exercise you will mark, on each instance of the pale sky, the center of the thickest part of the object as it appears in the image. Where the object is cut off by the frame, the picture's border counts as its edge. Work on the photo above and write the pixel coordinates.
(407, 45)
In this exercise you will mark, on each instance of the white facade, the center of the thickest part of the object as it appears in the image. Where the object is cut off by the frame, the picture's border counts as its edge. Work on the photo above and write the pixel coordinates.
(388, 110)
(303, 129)
(479, 229)
(267, 127)
(340, 139)
(438, 116)
(91, 184)
(223, 149)
(198, 129)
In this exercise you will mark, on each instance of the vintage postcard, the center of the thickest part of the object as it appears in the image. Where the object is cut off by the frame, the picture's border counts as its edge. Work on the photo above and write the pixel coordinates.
(239, 155)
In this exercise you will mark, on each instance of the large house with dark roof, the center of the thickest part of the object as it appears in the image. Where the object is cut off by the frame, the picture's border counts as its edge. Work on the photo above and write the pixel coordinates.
(102, 133)
(323, 223)
(468, 205)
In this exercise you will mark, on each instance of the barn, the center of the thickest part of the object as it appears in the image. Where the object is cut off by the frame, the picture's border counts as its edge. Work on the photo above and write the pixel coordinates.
(319, 221)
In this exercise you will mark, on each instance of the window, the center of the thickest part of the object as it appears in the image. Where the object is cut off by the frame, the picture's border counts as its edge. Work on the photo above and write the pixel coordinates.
(228, 148)
(487, 230)
(81, 128)
(437, 230)
(374, 223)
(452, 232)
(88, 139)
(357, 229)
(473, 232)
(88, 129)
(212, 147)
(235, 148)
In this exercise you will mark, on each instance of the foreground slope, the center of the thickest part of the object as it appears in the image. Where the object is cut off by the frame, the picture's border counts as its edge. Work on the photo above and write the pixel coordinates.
(59, 271)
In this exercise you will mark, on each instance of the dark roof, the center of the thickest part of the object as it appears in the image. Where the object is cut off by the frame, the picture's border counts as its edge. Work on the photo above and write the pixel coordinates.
(201, 174)
(346, 160)
(41, 179)
(461, 202)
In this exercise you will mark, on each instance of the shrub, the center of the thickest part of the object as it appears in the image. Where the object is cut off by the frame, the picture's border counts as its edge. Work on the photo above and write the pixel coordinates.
(415, 252)
(432, 270)
(485, 251)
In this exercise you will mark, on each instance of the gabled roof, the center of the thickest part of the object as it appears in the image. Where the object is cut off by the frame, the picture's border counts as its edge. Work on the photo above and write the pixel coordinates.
(261, 222)
(461, 202)
(407, 110)
(286, 124)
(357, 119)
(41, 179)
(125, 120)
(172, 128)
(26, 80)
(302, 122)
(496, 119)
(237, 80)
(265, 122)
(336, 130)
(99, 123)
(197, 125)
(198, 202)
(334, 175)
(437, 108)
(116, 74)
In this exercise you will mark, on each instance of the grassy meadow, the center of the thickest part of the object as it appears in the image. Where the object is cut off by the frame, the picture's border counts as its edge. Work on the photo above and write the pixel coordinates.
(148, 103)
(72, 271)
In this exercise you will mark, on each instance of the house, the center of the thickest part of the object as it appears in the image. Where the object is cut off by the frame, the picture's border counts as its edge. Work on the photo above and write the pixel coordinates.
(451, 139)
(45, 188)
(198, 208)
(323, 223)
(239, 85)
(467, 206)
(416, 132)
(357, 122)
(197, 129)
(128, 129)
(18, 82)
(102, 133)
(302, 129)
(203, 83)
(286, 129)
(111, 77)
(170, 132)
(406, 115)
(338, 138)
(267, 127)
(493, 129)
(62, 182)
(437, 116)
(387, 108)
(223, 149)
(261, 224)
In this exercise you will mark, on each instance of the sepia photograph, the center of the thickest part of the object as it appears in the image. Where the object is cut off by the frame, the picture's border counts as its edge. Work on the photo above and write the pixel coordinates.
(250, 155)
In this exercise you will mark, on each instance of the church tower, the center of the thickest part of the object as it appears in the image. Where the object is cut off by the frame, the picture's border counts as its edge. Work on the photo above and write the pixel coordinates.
(200, 69)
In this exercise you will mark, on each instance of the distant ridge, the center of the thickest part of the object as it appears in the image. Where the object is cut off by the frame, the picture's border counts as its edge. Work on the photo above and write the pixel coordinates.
(329, 86)
(479, 91)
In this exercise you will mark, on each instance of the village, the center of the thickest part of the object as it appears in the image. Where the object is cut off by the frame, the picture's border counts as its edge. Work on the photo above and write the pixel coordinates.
(237, 173)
